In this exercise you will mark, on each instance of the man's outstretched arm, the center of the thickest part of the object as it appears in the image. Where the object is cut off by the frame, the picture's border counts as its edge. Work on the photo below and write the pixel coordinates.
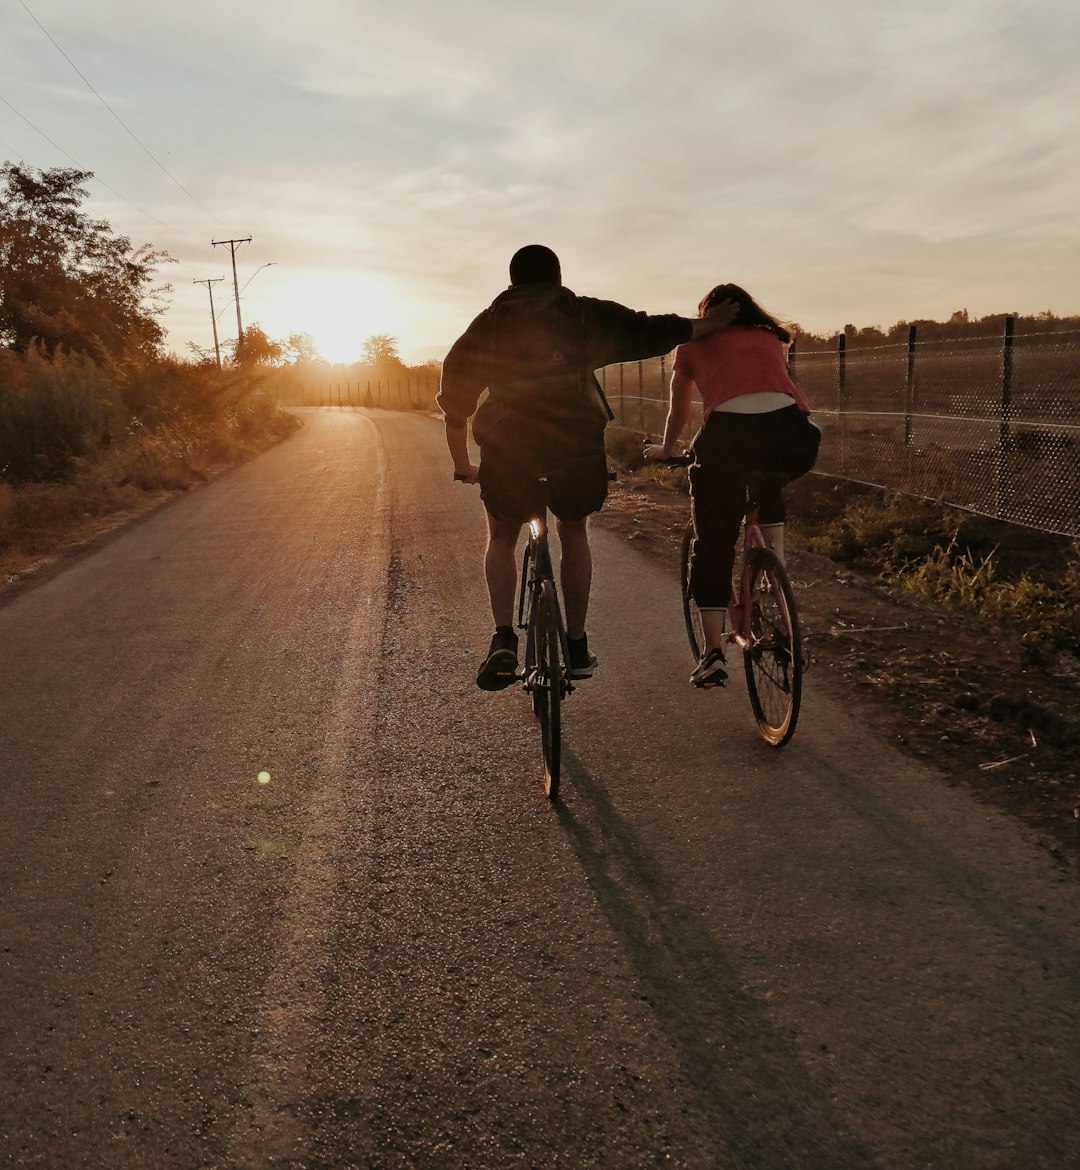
(623, 335)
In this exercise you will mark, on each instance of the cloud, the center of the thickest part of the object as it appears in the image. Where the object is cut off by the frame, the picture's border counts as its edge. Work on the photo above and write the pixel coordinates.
(840, 158)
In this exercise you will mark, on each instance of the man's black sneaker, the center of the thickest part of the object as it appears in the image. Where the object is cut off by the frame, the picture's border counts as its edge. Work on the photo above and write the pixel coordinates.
(582, 662)
(711, 671)
(500, 668)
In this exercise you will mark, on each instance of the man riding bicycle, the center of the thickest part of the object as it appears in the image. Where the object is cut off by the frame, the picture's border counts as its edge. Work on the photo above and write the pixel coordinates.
(541, 428)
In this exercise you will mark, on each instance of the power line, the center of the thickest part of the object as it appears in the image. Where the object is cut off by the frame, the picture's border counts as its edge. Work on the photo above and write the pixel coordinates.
(131, 132)
(268, 264)
(101, 182)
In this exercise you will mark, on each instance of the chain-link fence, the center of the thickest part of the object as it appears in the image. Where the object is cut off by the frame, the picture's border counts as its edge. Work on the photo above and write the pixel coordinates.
(987, 424)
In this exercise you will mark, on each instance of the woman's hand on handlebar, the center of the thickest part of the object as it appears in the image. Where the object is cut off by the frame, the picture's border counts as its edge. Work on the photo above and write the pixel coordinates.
(467, 474)
(658, 453)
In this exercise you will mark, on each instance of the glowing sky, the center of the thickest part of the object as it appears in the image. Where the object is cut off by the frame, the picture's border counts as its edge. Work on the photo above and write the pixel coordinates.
(847, 161)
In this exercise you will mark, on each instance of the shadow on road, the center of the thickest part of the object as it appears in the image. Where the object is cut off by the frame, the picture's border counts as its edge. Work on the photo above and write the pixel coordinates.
(746, 1075)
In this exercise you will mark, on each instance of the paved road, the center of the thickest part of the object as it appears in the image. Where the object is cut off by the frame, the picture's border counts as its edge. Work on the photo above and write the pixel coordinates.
(397, 954)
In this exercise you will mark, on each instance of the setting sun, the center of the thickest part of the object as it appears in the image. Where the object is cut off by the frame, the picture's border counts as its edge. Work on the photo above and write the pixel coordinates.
(338, 310)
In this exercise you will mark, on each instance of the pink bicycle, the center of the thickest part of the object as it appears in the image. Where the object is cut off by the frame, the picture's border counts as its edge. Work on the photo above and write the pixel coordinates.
(762, 622)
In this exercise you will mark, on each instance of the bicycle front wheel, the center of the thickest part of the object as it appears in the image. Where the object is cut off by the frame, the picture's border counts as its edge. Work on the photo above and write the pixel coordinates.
(548, 684)
(691, 614)
(773, 658)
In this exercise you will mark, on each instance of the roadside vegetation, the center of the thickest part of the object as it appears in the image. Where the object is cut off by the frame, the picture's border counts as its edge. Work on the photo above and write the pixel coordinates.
(80, 443)
(1002, 573)
(94, 418)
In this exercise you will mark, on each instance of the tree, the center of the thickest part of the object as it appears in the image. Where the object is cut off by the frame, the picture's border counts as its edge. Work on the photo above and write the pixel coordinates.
(66, 279)
(380, 349)
(301, 348)
(260, 350)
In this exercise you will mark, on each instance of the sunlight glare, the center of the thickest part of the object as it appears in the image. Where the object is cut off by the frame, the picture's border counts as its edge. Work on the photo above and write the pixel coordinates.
(338, 309)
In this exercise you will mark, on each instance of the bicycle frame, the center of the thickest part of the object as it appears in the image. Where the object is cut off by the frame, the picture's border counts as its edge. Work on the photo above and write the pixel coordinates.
(738, 610)
(536, 567)
(547, 656)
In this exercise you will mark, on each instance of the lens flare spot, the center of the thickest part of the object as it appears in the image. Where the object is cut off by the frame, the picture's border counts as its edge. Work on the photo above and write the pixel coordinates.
(264, 777)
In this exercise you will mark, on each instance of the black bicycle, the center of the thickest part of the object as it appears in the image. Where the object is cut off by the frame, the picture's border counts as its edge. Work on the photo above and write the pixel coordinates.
(545, 674)
(762, 621)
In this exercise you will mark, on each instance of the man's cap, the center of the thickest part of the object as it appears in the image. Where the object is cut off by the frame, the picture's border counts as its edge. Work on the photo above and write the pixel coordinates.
(535, 264)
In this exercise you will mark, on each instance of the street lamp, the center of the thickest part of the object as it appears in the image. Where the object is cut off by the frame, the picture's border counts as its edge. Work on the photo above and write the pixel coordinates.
(240, 333)
(268, 264)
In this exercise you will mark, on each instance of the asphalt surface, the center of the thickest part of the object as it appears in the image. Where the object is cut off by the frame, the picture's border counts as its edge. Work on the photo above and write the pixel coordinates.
(393, 952)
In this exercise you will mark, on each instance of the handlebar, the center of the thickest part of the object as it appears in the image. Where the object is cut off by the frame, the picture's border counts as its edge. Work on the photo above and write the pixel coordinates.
(684, 459)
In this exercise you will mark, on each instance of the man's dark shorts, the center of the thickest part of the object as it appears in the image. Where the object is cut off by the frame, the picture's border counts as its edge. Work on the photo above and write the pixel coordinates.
(512, 489)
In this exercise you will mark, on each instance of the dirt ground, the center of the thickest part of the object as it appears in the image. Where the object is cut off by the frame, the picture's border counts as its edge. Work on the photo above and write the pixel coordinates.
(943, 686)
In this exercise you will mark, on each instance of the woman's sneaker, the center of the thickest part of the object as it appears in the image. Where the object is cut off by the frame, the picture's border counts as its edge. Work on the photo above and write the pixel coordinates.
(582, 662)
(711, 671)
(500, 668)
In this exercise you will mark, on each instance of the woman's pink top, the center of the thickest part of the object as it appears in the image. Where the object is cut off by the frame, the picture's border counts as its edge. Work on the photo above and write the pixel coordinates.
(737, 360)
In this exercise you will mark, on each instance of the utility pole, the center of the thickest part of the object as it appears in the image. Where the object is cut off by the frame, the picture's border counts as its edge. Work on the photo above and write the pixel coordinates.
(232, 246)
(213, 319)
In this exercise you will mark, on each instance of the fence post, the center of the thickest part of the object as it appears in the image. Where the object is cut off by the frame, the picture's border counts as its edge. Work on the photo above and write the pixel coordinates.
(909, 385)
(1006, 417)
(622, 403)
(662, 395)
(792, 355)
(841, 397)
(641, 394)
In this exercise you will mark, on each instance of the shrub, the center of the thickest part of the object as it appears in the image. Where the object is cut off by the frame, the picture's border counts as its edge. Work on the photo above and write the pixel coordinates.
(1047, 613)
(52, 409)
(78, 441)
(1004, 574)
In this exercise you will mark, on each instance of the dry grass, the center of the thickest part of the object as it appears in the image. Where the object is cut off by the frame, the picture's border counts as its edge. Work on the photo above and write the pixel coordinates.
(1005, 574)
(75, 457)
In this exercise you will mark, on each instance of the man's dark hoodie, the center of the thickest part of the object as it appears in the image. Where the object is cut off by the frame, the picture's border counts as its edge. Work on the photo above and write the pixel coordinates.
(534, 350)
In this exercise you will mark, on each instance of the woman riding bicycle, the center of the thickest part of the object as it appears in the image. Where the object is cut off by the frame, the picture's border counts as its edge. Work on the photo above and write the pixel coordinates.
(755, 420)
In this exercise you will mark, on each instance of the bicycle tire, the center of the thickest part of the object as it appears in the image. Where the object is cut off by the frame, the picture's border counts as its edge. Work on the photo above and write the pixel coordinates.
(691, 614)
(773, 660)
(548, 685)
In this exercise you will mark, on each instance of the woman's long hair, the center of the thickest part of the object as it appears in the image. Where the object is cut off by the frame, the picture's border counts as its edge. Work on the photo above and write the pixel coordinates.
(750, 312)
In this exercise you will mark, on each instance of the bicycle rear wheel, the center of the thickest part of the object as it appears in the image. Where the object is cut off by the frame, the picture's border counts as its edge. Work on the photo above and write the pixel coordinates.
(773, 659)
(548, 684)
(691, 615)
